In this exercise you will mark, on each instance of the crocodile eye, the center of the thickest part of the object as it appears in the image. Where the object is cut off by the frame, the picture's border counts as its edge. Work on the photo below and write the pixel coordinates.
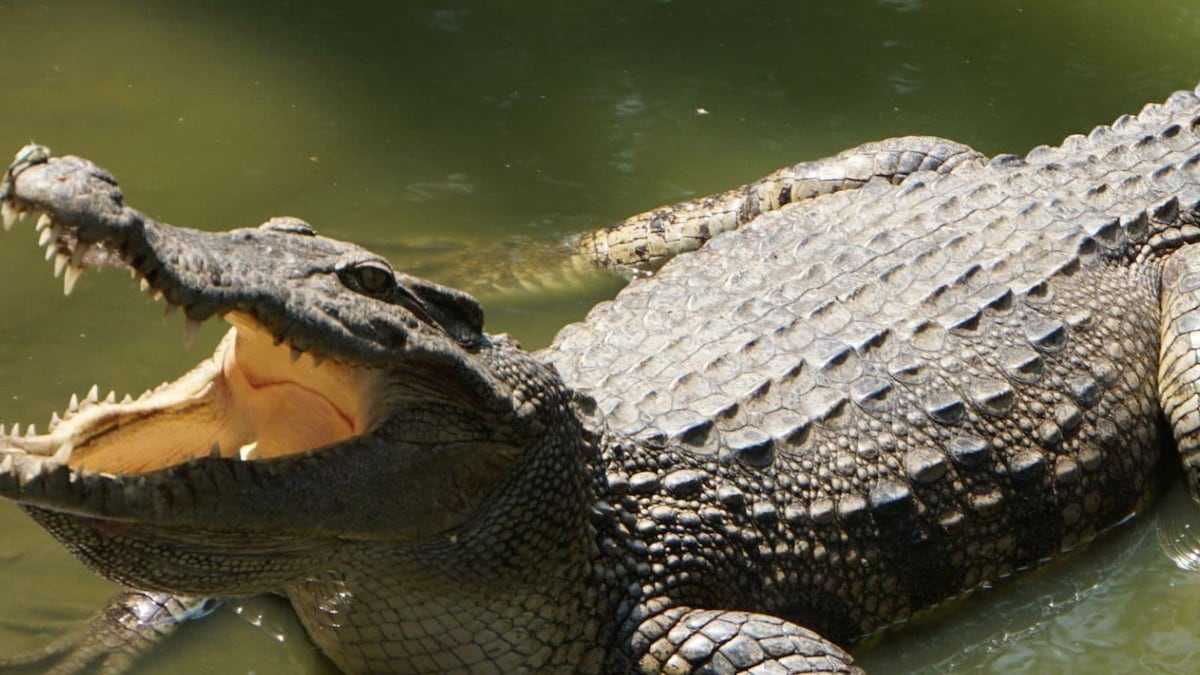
(371, 277)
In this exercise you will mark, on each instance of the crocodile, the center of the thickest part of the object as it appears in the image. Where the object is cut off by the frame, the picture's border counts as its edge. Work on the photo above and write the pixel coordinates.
(847, 410)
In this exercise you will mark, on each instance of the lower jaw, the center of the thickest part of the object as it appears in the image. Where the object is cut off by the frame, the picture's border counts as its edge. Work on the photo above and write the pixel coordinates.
(219, 409)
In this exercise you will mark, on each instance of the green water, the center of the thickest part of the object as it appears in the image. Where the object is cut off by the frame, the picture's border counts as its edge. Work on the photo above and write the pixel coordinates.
(434, 132)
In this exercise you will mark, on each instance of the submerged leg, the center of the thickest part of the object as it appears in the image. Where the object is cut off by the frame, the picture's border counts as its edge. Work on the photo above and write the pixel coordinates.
(131, 623)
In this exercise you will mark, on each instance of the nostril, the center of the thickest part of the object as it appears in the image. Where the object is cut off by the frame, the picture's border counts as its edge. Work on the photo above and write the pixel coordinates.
(289, 225)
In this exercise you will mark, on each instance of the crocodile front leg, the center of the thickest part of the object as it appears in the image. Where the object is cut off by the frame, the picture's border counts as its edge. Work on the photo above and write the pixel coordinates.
(131, 623)
(1179, 355)
(683, 641)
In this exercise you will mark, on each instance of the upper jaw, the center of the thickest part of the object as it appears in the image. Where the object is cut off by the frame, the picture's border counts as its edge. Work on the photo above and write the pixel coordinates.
(281, 273)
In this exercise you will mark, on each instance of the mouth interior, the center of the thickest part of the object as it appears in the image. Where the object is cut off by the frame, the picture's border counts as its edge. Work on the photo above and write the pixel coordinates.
(252, 399)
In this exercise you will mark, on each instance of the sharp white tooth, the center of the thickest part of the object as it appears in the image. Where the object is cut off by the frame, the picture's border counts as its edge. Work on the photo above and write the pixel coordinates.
(60, 262)
(31, 430)
(128, 398)
(78, 253)
(9, 214)
(248, 451)
(55, 420)
(190, 326)
(295, 354)
(215, 450)
(51, 251)
(63, 454)
(144, 394)
(73, 404)
(111, 398)
(93, 395)
(69, 279)
(45, 237)
(158, 295)
(3, 431)
(43, 222)
(143, 285)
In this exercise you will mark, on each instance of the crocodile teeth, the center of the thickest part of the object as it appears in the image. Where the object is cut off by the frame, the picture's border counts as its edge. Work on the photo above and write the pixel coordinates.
(43, 222)
(111, 398)
(9, 213)
(63, 453)
(60, 262)
(248, 451)
(3, 431)
(190, 327)
(73, 405)
(55, 420)
(72, 275)
(78, 253)
(45, 237)
(93, 395)
(143, 285)
(31, 431)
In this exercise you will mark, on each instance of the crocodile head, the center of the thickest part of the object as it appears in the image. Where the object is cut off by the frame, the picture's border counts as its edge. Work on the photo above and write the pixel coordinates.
(346, 403)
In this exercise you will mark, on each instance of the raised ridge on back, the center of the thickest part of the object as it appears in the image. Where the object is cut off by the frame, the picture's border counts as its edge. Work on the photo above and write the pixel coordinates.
(813, 286)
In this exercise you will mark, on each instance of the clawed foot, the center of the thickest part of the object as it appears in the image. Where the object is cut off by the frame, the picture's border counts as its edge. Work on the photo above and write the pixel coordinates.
(129, 625)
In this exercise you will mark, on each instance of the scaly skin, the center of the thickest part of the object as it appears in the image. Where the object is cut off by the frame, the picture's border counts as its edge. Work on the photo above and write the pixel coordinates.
(848, 410)
(643, 243)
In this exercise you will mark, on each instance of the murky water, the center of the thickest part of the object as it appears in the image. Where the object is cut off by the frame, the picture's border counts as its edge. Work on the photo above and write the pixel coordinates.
(439, 133)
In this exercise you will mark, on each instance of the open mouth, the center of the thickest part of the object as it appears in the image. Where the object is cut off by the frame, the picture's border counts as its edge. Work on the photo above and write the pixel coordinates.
(257, 397)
